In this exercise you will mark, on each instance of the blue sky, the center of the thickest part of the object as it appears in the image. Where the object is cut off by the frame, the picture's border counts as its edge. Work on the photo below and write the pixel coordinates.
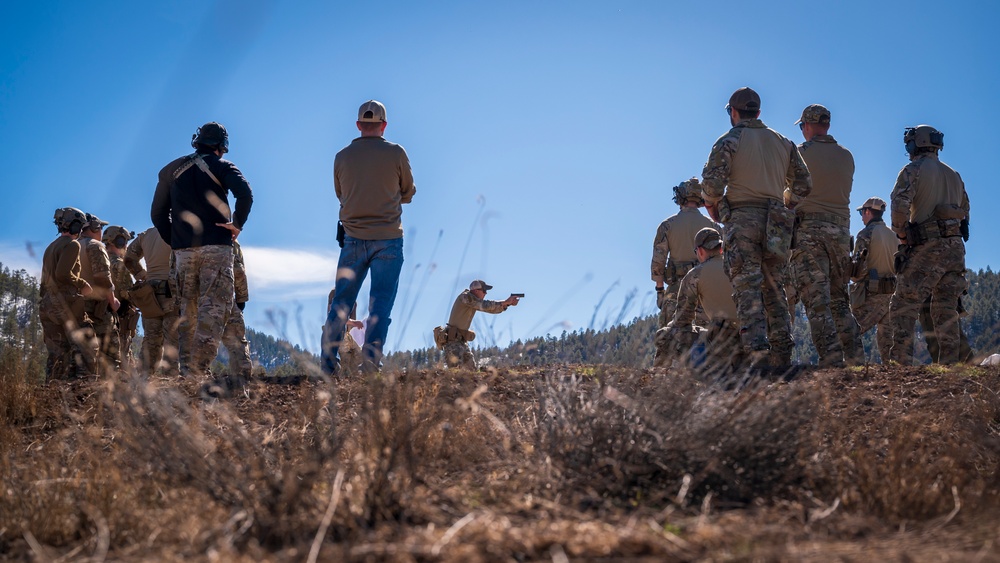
(544, 136)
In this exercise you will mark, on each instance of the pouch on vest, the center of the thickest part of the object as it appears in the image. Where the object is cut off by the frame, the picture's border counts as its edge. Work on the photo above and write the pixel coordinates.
(724, 210)
(144, 297)
(949, 219)
(778, 233)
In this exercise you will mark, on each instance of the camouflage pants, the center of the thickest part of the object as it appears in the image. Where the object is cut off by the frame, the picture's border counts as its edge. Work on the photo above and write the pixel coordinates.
(105, 325)
(667, 303)
(930, 336)
(206, 295)
(820, 270)
(458, 354)
(160, 341)
(935, 269)
(758, 280)
(128, 321)
(234, 338)
(872, 312)
(71, 349)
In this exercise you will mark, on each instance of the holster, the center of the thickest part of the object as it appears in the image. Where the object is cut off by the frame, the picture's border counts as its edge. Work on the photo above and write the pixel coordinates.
(341, 233)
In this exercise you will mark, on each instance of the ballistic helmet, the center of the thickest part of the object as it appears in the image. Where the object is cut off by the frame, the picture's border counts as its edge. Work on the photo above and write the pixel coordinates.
(212, 134)
(922, 137)
(688, 190)
(118, 236)
(69, 219)
(93, 223)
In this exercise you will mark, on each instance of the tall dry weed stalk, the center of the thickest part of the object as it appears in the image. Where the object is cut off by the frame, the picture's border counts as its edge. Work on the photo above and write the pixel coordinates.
(629, 433)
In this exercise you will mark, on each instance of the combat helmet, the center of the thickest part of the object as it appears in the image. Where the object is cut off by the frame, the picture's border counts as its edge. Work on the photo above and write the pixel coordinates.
(922, 137)
(688, 190)
(211, 134)
(69, 219)
(118, 236)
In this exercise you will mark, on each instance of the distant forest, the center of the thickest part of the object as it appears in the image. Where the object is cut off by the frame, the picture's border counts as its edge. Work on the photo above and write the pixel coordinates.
(626, 344)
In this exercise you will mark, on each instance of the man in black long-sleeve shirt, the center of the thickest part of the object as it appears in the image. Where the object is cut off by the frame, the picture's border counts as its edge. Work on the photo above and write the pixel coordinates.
(191, 212)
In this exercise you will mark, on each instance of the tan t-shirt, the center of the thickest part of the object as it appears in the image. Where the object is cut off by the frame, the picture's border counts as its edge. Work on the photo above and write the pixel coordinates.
(709, 286)
(832, 169)
(151, 246)
(373, 179)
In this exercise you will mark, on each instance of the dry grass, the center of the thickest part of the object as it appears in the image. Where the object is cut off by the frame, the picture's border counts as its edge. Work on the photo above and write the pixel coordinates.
(554, 464)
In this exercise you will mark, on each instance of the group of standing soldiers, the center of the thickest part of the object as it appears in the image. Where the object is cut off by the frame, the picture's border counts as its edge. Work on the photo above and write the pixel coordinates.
(90, 303)
(785, 215)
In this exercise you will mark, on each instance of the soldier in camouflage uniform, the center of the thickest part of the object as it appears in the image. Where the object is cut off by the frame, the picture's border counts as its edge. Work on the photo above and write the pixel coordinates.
(190, 210)
(234, 337)
(673, 249)
(874, 274)
(707, 287)
(930, 215)
(821, 249)
(743, 184)
(101, 305)
(115, 240)
(457, 334)
(160, 344)
(62, 293)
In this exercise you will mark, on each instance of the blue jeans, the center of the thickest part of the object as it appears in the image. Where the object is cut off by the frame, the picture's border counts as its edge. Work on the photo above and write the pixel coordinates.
(385, 260)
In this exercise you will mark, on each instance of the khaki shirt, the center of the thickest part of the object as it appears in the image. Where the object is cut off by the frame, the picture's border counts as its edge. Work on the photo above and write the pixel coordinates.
(754, 164)
(709, 286)
(95, 267)
(465, 308)
(155, 250)
(61, 267)
(675, 240)
(373, 179)
(875, 249)
(831, 167)
(922, 185)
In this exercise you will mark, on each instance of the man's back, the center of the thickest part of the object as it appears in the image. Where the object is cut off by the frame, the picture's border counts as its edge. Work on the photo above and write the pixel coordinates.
(149, 245)
(373, 179)
(831, 167)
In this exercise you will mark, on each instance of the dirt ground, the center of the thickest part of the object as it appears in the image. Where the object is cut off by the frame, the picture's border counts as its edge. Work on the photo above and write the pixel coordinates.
(564, 463)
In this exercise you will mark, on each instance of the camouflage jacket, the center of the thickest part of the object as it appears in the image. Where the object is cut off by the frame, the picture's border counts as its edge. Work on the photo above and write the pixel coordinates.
(754, 163)
(675, 241)
(874, 249)
(95, 267)
(709, 286)
(465, 308)
(922, 185)
(121, 278)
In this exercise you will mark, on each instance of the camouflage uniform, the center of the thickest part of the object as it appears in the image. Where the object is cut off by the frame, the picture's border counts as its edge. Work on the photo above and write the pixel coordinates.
(820, 260)
(160, 341)
(205, 287)
(96, 269)
(965, 354)
(673, 256)
(127, 316)
(457, 352)
(64, 324)
(929, 196)
(746, 173)
(874, 277)
(706, 286)
(234, 336)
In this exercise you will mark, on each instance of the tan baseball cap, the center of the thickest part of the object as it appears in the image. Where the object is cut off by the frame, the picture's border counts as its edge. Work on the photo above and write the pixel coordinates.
(745, 99)
(708, 238)
(480, 284)
(371, 112)
(876, 203)
(814, 114)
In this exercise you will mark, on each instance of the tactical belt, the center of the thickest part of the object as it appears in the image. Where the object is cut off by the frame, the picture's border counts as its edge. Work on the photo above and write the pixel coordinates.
(766, 204)
(454, 334)
(677, 270)
(882, 286)
(826, 218)
(161, 287)
(937, 228)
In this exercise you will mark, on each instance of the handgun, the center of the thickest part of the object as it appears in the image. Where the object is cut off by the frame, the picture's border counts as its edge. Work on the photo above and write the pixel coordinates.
(518, 295)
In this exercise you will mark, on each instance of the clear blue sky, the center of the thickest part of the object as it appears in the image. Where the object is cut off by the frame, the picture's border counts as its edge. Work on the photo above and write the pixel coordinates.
(544, 136)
